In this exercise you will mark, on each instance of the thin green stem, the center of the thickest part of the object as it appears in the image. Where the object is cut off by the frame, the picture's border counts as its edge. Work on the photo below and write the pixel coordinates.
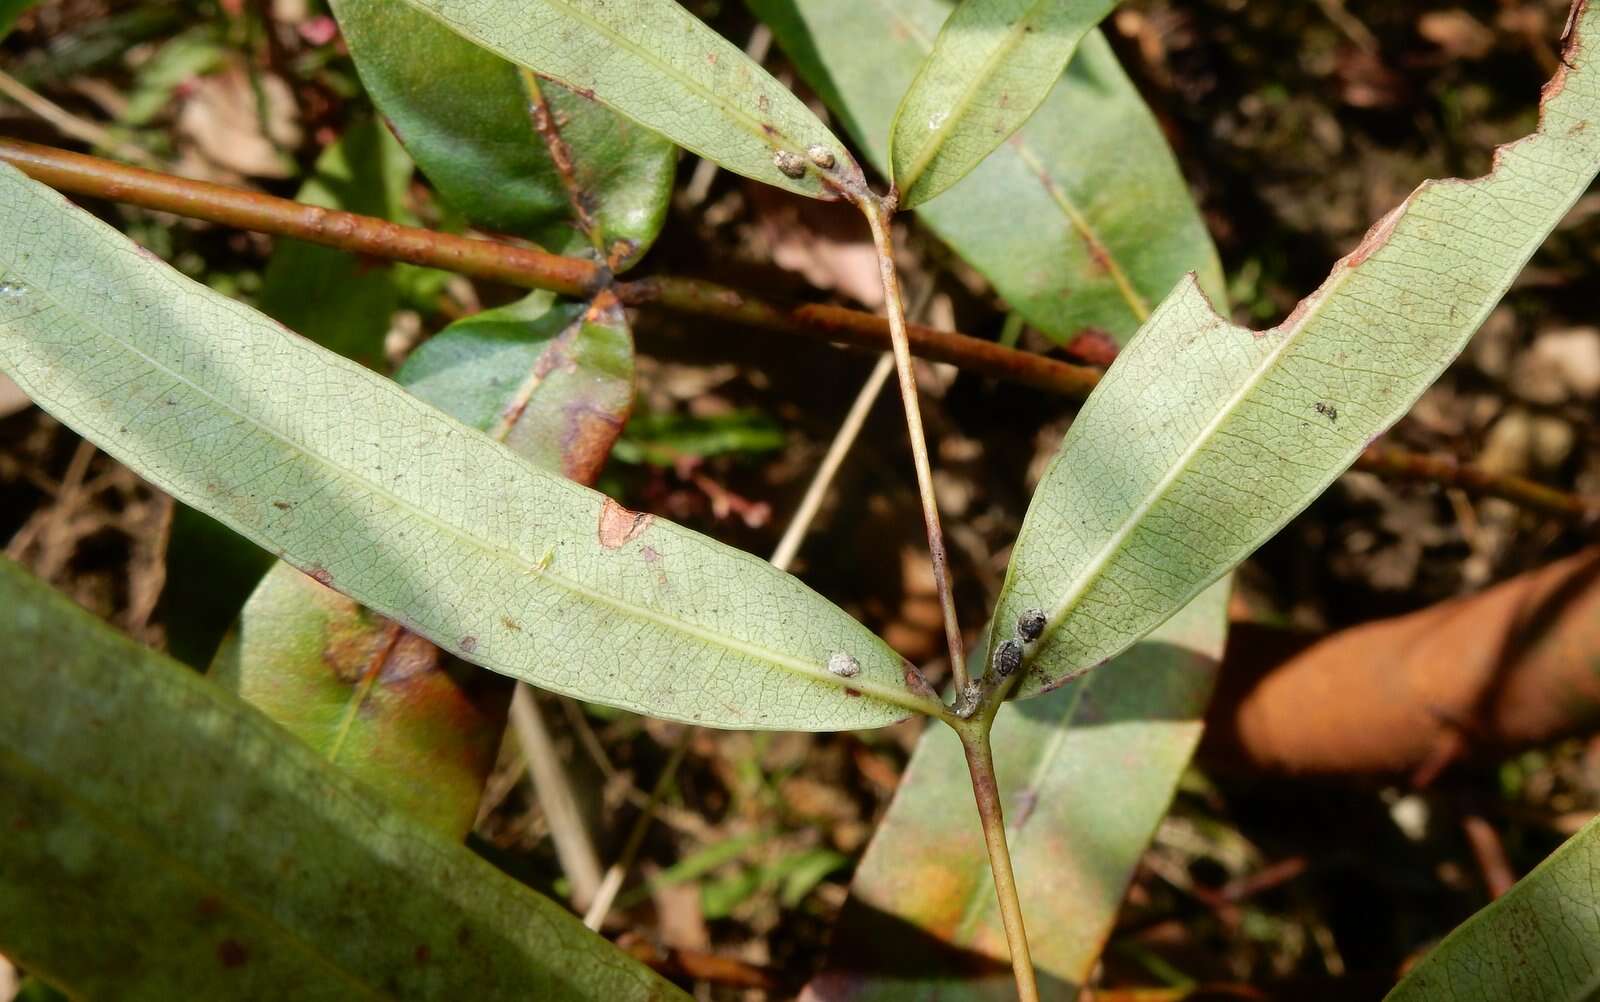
(986, 791)
(878, 213)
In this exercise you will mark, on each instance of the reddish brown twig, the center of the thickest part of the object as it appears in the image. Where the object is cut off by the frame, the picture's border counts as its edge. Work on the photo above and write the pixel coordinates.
(528, 267)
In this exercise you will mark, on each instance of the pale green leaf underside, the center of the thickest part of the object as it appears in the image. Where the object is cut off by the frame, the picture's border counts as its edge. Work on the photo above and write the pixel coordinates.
(350, 478)
(1205, 438)
(661, 66)
(1541, 940)
(162, 840)
(993, 64)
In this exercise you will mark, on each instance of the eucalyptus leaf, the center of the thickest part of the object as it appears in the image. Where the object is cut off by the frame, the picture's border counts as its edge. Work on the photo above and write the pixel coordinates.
(1204, 438)
(377, 494)
(554, 381)
(551, 379)
(1081, 219)
(165, 841)
(1086, 774)
(664, 68)
(1540, 940)
(993, 64)
(10, 11)
(381, 703)
(472, 122)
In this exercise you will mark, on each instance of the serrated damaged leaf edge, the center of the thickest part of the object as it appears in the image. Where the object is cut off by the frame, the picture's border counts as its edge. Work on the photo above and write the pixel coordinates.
(1189, 297)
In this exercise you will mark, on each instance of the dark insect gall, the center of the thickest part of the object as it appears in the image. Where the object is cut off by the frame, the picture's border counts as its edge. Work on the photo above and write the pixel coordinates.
(1030, 625)
(1007, 658)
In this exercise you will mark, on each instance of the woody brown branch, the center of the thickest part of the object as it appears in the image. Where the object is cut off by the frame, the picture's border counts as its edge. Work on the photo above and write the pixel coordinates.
(528, 267)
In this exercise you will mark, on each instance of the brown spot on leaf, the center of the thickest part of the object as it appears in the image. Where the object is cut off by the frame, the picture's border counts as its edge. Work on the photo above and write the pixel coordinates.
(232, 953)
(469, 644)
(618, 525)
(320, 575)
(587, 435)
(422, 953)
(1376, 237)
(510, 623)
(282, 505)
(209, 906)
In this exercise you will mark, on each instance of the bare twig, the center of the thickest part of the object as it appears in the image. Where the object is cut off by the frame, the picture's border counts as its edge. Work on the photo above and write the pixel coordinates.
(528, 267)
(67, 123)
(574, 847)
(595, 917)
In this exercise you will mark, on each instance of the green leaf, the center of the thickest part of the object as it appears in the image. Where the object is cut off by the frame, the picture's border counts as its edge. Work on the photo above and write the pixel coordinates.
(555, 383)
(336, 299)
(163, 840)
(1204, 438)
(381, 703)
(393, 503)
(662, 67)
(1540, 940)
(10, 11)
(993, 64)
(470, 119)
(664, 439)
(551, 379)
(1086, 774)
(1081, 220)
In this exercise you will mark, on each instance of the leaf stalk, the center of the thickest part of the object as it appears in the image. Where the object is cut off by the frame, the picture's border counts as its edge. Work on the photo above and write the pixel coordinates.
(879, 212)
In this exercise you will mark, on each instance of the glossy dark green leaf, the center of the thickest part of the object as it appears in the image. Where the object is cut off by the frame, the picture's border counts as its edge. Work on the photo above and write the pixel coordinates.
(551, 379)
(1540, 940)
(380, 702)
(336, 299)
(483, 130)
(163, 840)
(10, 11)
(1080, 219)
(1086, 773)
(992, 65)
(410, 512)
(658, 64)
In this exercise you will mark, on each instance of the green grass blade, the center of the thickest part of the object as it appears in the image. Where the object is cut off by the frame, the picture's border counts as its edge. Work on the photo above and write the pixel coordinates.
(165, 841)
(993, 64)
(379, 495)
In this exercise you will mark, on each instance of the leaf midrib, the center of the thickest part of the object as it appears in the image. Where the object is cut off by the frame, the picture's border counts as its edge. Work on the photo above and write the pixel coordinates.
(792, 665)
(1101, 560)
(958, 114)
